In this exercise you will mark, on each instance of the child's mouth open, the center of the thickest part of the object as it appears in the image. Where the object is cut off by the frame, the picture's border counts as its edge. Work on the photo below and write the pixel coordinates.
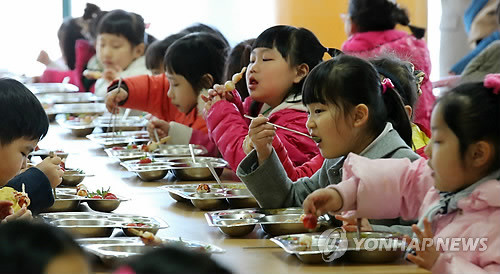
(252, 83)
(316, 139)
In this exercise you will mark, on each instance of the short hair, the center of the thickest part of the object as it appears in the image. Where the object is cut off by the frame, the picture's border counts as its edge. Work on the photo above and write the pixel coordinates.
(68, 33)
(199, 27)
(22, 114)
(28, 247)
(127, 24)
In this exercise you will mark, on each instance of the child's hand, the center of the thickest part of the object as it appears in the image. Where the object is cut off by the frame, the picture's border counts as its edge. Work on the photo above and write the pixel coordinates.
(247, 145)
(114, 97)
(262, 134)
(427, 254)
(43, 57)
(22, 214)
(5, 209)
(322, 201)
(350, 223)
(162, 127)
(52, 169)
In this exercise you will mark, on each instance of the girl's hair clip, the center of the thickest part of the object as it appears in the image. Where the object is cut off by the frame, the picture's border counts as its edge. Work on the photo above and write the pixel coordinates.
(386, 83)
(492, 81)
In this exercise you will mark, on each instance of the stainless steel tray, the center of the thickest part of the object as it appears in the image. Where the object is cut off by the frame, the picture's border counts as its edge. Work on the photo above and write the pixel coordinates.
(113, 250)
(119, 124)
(68, 98)
(237, 195)
(102, 205)
(119, 138)
(95, 224)
(315, 253)
(274, 222)
(125, 154)
(39, 88)
(45, 153)
(73, 177)
(98, 108)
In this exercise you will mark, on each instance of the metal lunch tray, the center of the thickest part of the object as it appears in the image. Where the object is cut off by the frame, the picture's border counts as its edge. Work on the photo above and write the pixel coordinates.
(97, 224)
(340, 242)
(113, 250)
(236, 222)
(119, 138)
(129, 123)
(39, 88)
(124, 154)
(69, 98)
(67, 200)
(77, 108)
(72, 177)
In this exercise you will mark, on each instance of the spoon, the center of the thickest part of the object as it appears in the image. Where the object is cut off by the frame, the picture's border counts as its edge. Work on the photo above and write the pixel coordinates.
(315, 139)
(358, 227)
(52, 154)
(191, 150)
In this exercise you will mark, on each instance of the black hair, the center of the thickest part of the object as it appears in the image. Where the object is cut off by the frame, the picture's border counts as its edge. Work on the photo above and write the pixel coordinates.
(22, 114)
(402, 75)
(156, 51)
(346, 81)
(28, 247)
(199, 27)
(90, 11)
(379, 15)
(94, 23)
(172, 259)
(127, 24)
(195, 55)
(297, 46)
(238, 58)
(68, 33)
(472, 112)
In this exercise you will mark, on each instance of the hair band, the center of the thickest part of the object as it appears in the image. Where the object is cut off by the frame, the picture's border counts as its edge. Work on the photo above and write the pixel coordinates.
(492, 81)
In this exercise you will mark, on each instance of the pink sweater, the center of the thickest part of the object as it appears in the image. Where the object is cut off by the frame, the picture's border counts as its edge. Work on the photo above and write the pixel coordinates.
(401, 188)
(228, 129)
(374, 43)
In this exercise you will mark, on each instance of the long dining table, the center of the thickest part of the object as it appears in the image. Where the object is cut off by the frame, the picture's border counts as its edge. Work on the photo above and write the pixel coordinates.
(254, 253)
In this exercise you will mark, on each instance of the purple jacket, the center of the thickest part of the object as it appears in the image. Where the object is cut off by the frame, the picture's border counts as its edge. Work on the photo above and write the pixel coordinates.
(374, 43)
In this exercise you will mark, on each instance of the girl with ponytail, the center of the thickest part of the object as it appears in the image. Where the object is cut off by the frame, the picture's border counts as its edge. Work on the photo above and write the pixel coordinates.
(350, 109)
(370, 26)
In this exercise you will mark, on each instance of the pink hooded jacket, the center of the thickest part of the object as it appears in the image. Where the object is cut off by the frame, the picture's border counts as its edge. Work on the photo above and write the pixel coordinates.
(407, 47)
(401, 188)
(228, 128)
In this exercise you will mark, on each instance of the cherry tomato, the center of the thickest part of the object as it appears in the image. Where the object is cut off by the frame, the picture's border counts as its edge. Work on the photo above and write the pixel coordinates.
(110, 196)
(145, 148)
(63, 166)
(310, 221)
(117, 148)
(145, 161)
(96, 197)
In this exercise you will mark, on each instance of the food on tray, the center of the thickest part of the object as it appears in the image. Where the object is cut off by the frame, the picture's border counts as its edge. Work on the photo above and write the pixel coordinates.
(102, 194)
(202, 188)
(310, 221)
(81, 190)
(231, 85)
(118, 148)
(305, 240)
(132, 146)
(17, 198)
(138, 224)
(145, 160)
(82, 118)
(92, 74)
(152, 145)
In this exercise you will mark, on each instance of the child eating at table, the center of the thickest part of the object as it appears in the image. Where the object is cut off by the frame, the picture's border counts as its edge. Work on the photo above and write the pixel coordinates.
(23, 124)
(350, 110)
(454, 193)
(192, 64)
(30, 247)
(281, 58)
(120, 45)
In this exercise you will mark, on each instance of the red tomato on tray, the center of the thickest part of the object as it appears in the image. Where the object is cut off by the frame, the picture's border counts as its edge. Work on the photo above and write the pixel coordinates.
(145, 161)
(310, 221)
(96, 197)
(110, 196)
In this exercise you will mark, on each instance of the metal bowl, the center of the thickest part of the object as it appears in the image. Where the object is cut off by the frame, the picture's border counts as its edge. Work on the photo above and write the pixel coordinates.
(178, 198)
(72, 177)
(208, 201)
(237, 228)
(82, 132)
(86, 228)
(152, 175)
(283, 224)
(185, 169)
(64, 202)
(104, 205)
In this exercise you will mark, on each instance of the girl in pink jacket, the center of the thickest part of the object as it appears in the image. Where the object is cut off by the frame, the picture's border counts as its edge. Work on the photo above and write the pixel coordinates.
(281, 58)
(455, 193)
(370, 27)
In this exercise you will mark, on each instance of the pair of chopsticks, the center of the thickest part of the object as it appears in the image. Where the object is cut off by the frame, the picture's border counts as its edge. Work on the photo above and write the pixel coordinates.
(282, 127)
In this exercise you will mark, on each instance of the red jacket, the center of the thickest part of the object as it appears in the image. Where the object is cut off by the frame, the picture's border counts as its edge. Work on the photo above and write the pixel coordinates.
(149, 93)
(407, 47)
(228, 129)
(84, 51)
